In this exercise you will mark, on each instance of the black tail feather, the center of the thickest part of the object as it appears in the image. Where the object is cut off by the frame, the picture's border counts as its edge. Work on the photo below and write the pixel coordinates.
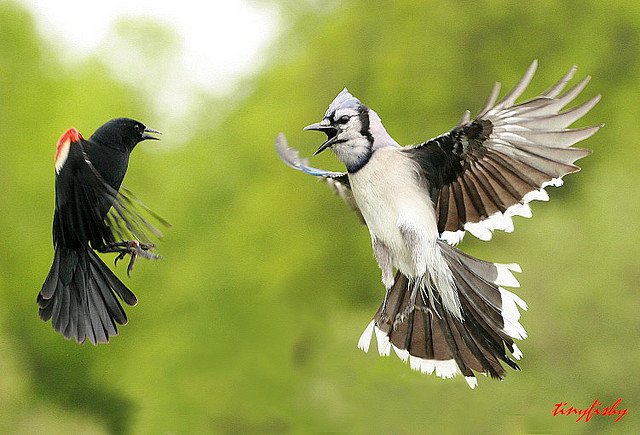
(79, 296)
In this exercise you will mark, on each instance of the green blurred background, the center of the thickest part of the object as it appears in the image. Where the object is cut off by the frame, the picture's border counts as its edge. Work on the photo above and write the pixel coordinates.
(250, 322)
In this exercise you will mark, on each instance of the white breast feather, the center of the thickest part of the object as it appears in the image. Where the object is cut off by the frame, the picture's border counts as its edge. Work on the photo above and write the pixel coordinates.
(390, 196)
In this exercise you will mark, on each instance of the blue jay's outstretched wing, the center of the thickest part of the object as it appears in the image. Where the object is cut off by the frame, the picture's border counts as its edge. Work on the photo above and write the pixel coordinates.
(485, 171)
(338, 181)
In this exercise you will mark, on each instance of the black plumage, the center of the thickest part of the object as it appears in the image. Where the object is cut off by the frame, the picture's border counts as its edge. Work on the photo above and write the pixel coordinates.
(91, 214)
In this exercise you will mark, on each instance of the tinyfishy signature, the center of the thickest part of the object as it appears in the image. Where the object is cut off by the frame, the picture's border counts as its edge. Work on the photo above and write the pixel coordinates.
(596, 408)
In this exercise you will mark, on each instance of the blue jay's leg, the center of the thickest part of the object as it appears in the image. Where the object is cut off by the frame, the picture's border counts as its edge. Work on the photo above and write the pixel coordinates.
(416, 287)
(384, 259)
(415, 244)
(428, 298)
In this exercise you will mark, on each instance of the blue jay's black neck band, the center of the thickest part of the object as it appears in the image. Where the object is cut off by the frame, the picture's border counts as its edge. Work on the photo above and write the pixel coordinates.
(352, 169)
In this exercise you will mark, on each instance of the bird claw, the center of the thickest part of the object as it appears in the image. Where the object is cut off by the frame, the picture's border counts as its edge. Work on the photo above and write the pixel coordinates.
(384, 319)
(401, 317)
(135, 249)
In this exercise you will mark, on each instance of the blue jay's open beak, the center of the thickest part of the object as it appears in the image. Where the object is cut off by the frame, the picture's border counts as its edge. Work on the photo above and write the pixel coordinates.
(329, 130)
(146, 135)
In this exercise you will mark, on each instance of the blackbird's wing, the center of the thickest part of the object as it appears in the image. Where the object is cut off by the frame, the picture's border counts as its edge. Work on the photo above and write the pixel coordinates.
(485, 171)
(130, 219)
(88, 210)
(338, 181)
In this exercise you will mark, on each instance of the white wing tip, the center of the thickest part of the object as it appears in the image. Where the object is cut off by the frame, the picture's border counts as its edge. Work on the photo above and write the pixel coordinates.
(425, 366)
(483, 230)
(557, 182)
(516, 352)
(365, 338)
(384, 345)
(453, 237)
(519, 209)
(403, 354)
(536, 195)
(479, 229)
(472, 381)
(444, 369)
(511, 314)
(505, 276)
(514, 267)
(447, 369)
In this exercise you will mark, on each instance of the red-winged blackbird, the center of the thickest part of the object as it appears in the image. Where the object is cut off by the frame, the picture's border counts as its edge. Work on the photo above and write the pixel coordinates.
(92, 213)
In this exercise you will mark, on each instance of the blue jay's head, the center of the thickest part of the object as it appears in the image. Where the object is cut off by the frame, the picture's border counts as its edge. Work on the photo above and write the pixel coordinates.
(346, 122)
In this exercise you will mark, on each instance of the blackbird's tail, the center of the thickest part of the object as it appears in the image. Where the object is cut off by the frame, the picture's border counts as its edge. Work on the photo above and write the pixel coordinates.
(79, 296)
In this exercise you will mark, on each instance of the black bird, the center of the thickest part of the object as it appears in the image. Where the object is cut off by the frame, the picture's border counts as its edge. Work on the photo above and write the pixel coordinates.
(445, 311)
(93, 213)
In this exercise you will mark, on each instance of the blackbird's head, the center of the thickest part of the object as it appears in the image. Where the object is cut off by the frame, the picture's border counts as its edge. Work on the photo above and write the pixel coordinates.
(123, 134)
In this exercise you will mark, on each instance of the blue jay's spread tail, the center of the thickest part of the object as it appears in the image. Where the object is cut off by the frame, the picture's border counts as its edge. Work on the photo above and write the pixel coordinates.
(433, 340)
(445, 311)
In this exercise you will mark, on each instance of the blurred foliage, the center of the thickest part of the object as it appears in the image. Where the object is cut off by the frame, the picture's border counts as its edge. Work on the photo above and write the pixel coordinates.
(249, 323)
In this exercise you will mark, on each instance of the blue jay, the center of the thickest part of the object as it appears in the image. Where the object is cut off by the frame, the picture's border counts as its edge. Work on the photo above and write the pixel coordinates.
(445, 311)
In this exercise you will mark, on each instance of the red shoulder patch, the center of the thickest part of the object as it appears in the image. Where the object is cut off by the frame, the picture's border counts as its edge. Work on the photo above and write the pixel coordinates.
(62, 147)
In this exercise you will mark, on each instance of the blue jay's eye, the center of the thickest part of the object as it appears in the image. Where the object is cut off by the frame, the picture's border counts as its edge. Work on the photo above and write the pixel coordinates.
(343, 119)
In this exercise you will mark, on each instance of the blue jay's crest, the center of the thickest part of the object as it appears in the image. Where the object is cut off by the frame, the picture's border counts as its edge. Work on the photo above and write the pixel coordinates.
(445, 311)
(344, 100)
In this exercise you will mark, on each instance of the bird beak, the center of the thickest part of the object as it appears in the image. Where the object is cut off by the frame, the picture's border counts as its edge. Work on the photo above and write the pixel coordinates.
(317, 126)
(146, 134)
(329, 130)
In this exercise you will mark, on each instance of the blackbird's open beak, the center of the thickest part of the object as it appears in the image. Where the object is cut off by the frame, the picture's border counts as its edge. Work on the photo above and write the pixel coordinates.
(146, 135)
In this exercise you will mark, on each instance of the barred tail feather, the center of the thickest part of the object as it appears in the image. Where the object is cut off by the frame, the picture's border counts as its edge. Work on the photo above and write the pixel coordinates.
(79, 296)
(433, 340)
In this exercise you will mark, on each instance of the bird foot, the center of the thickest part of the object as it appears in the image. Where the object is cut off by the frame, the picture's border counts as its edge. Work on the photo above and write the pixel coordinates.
(401, 317)
(384, 319)
(135, 249)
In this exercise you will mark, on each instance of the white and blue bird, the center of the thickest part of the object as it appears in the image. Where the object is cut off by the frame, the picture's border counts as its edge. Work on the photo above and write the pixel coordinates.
(445, 311)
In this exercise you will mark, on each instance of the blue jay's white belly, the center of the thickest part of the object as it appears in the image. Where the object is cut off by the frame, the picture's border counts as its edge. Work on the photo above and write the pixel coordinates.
(390, 196)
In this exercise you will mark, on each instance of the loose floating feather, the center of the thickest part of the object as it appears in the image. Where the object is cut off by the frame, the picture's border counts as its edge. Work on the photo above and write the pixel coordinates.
(338, 181)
